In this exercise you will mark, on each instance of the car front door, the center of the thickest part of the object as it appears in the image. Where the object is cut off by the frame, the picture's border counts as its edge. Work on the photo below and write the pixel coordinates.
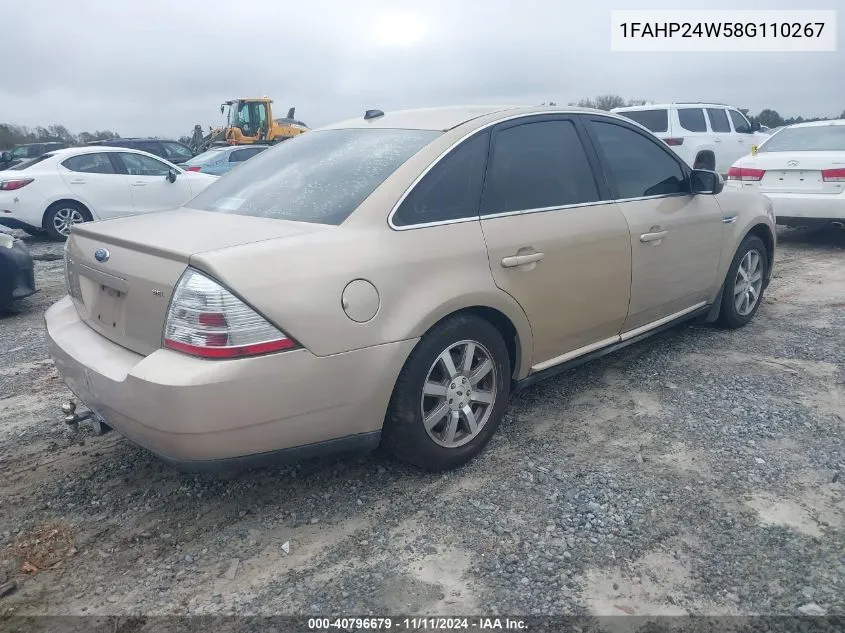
(675, 236)
(554, 240)
(150, 186)
(727, 148)
(745, 138)
(96, 181)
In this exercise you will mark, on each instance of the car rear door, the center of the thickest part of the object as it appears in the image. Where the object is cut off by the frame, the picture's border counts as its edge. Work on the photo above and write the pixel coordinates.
(150, 187)
(675, 236)
(96, 181)
(743, 135)
(554, 240)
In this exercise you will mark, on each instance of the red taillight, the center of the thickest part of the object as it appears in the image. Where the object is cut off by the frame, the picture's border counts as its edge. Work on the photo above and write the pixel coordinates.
(673, 141)
(11, 185)
(833, 175)
(192, 168)
(207, 320)
(745, 173)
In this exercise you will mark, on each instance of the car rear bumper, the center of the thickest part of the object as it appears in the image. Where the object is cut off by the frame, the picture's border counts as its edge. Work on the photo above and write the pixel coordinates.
(209, 413)
(792, 206)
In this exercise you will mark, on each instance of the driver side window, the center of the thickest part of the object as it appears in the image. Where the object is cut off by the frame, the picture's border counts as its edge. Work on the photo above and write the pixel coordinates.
(140, 165)
(637, 165)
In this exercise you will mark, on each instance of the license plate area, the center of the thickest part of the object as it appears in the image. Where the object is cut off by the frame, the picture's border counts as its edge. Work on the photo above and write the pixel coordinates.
(793, 179)
(108, 307)
(104, 299)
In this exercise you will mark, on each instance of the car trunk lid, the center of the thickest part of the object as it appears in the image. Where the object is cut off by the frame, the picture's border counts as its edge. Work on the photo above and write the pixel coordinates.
(121, 273)
(799, 172)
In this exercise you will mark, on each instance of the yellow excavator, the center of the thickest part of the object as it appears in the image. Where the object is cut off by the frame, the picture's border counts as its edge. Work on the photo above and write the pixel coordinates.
(248, 121)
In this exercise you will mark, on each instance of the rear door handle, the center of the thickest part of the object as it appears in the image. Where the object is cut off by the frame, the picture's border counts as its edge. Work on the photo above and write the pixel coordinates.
(521, 260)
(717, 140)
(139, 184)
(653, 237)
(77, 182)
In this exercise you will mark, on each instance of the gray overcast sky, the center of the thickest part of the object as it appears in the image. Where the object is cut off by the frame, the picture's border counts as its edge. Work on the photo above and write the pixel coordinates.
(157, 67)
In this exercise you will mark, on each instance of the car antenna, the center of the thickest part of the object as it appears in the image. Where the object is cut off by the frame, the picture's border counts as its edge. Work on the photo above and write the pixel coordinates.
(373, 114)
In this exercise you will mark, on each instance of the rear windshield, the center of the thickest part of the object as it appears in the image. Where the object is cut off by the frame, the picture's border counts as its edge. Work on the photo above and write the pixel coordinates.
(29, 163)
(318, 177)
(654, 120)
(206, 157)
(817, 138)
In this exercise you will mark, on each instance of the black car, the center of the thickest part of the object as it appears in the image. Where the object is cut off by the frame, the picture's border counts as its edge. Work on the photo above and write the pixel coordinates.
(172, 151)
(17, 273)
(25, 152)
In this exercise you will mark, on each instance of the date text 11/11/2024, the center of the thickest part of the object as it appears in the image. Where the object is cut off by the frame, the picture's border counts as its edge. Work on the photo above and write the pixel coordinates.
(416, 624)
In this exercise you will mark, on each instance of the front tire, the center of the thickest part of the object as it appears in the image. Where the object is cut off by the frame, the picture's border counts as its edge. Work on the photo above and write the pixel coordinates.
(61, 216)
(451, 395)
(744, 284)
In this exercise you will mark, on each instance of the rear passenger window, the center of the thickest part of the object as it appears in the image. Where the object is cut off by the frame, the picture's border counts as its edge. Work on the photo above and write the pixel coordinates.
(451, 190)
(536, 166)
(656, 121)
(718, 120)
(692, 119)
(638, 165)
(90, 164)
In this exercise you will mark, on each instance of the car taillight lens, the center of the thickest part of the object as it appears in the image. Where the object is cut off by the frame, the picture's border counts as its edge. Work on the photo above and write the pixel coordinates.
(11, 185)
(207, 320)
(673, 141)
(833, 175)
(745, 173)
(192, 168)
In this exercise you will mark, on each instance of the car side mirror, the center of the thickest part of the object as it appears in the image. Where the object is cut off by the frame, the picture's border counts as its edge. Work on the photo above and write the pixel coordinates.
(755, 127)
(171, 175)
(703, 181)
(6, 157)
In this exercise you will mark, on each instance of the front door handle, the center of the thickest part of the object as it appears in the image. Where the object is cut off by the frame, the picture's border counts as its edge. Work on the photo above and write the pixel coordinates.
(521, 260)
(77, 182)
(139, 184)
(653, 237)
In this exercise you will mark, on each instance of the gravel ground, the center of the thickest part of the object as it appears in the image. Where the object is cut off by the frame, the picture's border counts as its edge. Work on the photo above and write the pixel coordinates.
(699, 472)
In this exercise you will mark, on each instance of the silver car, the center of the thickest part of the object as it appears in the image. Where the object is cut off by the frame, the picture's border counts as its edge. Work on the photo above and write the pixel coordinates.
(217, 161)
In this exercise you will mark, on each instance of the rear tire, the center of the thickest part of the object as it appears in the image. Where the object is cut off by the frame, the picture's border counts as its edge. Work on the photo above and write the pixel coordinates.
(463, 367)
(61, 216)
(744, 284)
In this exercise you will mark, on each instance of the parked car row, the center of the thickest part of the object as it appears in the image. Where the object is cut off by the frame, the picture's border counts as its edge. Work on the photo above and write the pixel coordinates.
(391, 279)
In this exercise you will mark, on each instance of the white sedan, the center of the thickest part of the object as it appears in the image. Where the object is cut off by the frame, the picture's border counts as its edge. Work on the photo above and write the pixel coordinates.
(801, 169)
(59, 189)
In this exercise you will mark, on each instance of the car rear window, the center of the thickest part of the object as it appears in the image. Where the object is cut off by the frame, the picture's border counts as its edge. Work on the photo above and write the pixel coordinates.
(207, 157)
(654, 120)
(318, 177)
(817, 138)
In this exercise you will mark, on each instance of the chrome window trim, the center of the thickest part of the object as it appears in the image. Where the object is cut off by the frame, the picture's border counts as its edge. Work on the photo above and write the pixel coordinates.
(442, 155)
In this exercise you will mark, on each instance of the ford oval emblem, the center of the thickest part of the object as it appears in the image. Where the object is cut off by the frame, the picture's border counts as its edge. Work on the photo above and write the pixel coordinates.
(101, 255)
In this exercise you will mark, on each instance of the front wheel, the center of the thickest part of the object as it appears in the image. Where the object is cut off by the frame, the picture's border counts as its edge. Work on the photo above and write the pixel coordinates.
(450, 396)
(743, 291)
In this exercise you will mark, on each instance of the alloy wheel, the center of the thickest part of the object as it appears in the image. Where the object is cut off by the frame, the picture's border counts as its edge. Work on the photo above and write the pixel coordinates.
(459, 393)
(65, 218)
(748, 283)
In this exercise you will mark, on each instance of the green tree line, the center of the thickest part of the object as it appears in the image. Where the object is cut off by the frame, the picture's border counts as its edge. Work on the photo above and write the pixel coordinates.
(11, 135)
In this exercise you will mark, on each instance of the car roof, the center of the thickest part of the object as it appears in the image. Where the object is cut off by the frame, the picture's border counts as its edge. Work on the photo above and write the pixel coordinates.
(93, 149)
(445, 118)
(658, 106)
(817, 123)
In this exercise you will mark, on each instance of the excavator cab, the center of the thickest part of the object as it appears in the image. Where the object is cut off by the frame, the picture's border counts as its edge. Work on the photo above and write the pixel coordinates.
(249, 116)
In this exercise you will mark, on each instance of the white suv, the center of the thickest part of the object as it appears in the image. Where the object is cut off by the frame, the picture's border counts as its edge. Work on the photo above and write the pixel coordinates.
(706, 135)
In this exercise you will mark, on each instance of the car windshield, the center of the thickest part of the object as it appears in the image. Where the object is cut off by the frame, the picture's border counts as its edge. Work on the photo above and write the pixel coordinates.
(29, 163)
(318, 177)
(207, 157)
(815, 138)
(654, 120)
